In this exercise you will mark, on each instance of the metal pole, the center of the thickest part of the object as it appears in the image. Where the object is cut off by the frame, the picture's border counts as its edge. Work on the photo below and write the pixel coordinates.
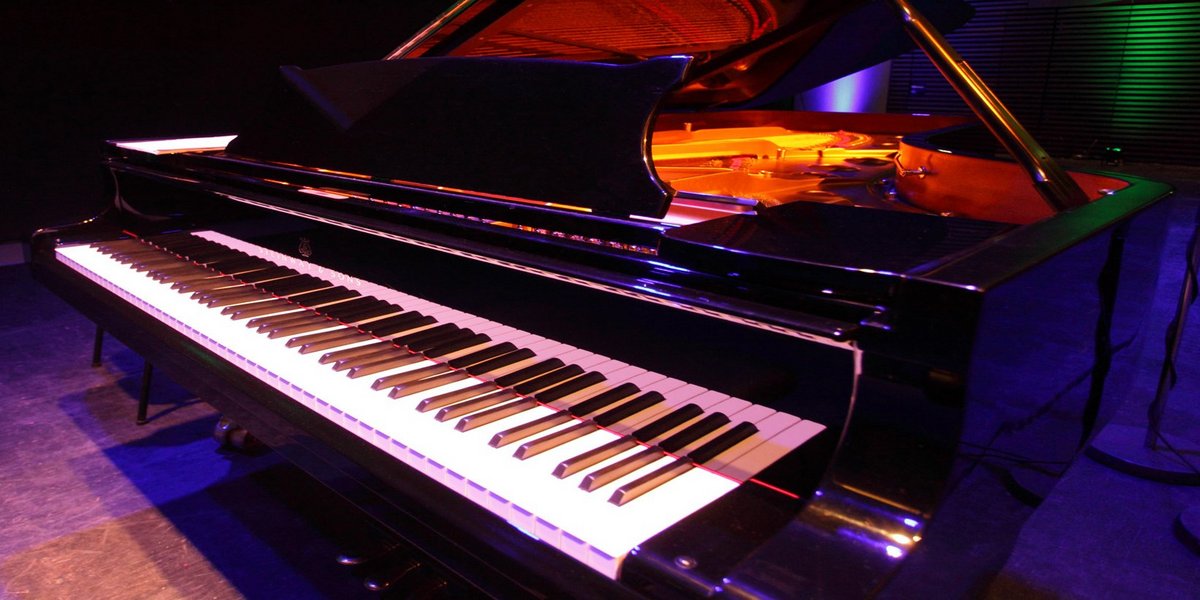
(1056, 187)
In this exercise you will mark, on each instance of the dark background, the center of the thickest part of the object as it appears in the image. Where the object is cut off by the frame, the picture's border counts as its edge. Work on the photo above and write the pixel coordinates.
(77, 73)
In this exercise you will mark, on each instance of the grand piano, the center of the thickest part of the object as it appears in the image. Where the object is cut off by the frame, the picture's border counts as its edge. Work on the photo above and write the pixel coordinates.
(541, 295)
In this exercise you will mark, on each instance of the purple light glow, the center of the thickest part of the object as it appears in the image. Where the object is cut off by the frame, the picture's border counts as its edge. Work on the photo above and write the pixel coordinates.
(864, 91)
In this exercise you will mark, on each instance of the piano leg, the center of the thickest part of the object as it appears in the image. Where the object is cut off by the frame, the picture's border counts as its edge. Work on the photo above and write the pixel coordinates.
(144, 396)
(97, 345)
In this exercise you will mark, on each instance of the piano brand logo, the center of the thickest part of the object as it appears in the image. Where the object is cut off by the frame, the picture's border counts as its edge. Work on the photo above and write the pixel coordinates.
(304, 248)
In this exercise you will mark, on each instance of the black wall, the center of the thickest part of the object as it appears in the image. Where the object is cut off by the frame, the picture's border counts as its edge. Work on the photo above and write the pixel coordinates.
(73, 74)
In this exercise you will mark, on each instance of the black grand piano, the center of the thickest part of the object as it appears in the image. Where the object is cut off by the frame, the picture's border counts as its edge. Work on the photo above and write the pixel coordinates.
(542, 296)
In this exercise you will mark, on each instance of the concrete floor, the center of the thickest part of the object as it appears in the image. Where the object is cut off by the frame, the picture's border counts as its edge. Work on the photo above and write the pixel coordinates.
(94, 506)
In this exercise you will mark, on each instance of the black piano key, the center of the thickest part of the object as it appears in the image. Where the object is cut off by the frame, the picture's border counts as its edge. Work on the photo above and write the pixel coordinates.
(474, 405)
(457, 345)
(180, 269)
(416, 380)
(606, 475)
(603, 420)
(693, 432)
(366, 312)
(261, 286)
(648, 482)
(594, 456)
(115, 251)
(300, 324)
(561, 390)
(317, 321)
(654, 429)
(238, 298)
(149, 263)
(419, 380)
(266, 323)
(494, 414)
(268, 274)
(728, 439)
(288, 323)
(295, 324)
(293, 285)
(706, 452)
(177, 278)
(214, 279)
(667, 422)
(215, 255)
(237, 263)
(398, 358)
(520, 375)
(610, 473)
(277, 306)
(339, 331)
(547, 380)
(197, 262)
(628, 409)
(349, 336)
(433, 341)
(339, 356)
(398, 324)
(206, 294)
(342, 310)
(524, 430)
(196, 288)
(552, 440)
(127, 257)
(310, 304)
(419, 337)
(592, 404)
(504, 360)
(350, 309)
(414, 376)
(448, 398)
(482, 355)
(323, 297)
(194, 248)
(603, 399)
(385, 350)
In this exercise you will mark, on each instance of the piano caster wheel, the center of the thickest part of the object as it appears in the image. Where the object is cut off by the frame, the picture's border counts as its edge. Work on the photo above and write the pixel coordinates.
(221, 431)
(230, 435)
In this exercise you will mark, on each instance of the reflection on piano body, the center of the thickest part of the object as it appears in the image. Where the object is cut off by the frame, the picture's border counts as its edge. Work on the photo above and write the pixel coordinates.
(534, 306)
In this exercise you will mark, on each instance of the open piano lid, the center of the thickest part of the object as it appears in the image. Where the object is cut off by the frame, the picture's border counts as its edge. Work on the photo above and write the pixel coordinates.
(743, 51)
(552, 101)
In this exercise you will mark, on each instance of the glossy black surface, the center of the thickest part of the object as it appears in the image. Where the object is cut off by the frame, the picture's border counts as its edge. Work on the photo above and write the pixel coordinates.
(569, 133)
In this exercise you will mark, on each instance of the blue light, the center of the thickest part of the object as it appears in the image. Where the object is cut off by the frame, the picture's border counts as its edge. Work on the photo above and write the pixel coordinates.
(864, 91)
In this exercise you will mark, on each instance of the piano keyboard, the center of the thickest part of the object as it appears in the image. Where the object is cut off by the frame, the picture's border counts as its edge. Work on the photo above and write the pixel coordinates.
(583, 452)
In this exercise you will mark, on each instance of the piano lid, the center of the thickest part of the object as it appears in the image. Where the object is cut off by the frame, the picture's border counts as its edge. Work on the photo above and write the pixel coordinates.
(743, 51)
